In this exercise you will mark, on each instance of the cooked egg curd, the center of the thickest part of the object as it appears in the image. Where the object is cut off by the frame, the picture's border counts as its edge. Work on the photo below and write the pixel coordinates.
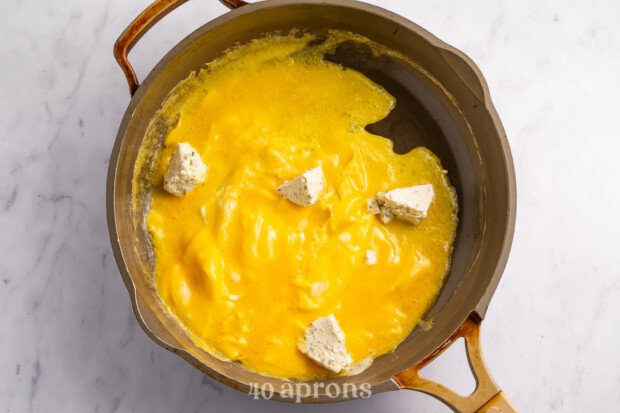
(246, 271)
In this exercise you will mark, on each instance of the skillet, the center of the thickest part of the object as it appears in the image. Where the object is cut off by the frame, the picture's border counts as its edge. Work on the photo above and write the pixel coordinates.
(443, 103)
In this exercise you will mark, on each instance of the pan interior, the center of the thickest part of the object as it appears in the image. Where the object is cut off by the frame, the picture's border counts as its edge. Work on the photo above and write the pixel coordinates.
(427, 91)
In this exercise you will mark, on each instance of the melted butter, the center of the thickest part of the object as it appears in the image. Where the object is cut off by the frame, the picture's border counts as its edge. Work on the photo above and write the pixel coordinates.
(246, 271)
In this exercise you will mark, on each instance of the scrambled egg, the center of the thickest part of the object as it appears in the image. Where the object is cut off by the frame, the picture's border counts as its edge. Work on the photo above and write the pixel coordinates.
(246, 271)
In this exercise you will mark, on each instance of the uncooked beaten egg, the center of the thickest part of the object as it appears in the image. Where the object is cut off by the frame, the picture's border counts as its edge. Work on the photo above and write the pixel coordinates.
(246, 271)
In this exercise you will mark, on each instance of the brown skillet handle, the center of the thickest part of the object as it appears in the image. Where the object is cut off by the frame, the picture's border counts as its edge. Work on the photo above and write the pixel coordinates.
(134, 32)
(140, 25)
(233, 4)
(486, 398)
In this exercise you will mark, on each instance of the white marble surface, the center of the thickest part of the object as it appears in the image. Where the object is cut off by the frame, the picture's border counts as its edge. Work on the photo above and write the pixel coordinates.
(68, 339)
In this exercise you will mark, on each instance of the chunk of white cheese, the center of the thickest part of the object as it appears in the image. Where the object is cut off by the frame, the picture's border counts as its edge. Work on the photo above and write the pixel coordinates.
(386, 215)
(305, 189)
(324, 343)
(371, 257)
(185, 170)
(408, 204)
(360, 366)
(373, 206)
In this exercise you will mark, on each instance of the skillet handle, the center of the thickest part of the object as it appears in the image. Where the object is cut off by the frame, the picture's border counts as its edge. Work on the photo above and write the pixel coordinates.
(140, 25)
(233, 4)
(486, 398)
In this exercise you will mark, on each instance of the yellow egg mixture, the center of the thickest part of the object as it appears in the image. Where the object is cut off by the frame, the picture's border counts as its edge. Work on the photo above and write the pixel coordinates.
(245, 270)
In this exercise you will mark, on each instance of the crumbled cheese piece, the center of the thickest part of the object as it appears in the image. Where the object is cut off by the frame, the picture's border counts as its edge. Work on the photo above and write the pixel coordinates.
(371, 257)
(386, 215)
(360, 366)
(185, 170)
(409, 204)
(305, 189)
(324, 344)
(373, 206)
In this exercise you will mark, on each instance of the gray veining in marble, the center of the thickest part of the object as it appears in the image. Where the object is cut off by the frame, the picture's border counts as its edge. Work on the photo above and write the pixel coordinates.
(68, 338)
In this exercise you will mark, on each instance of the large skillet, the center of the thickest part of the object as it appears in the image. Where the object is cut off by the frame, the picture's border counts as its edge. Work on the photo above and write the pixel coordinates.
(443, 104)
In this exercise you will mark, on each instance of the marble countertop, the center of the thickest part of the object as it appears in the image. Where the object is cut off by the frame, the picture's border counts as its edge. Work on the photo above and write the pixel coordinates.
(68, 338)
